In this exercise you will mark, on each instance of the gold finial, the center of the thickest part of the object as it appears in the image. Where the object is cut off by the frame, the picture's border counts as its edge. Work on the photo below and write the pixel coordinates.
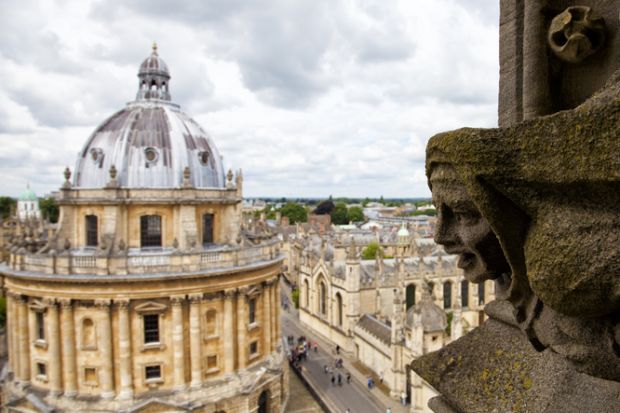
(155, 47)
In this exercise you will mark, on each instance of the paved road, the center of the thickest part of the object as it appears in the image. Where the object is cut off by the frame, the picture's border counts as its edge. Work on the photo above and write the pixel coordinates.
(353, 396)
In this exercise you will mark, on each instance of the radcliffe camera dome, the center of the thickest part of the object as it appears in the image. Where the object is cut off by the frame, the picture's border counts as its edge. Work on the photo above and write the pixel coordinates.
(150, 142)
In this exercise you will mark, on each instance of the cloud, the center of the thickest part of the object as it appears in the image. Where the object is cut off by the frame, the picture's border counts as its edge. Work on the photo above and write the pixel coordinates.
(311, 97)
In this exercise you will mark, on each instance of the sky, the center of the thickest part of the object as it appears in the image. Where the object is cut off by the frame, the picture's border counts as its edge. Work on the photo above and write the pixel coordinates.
(310, 98)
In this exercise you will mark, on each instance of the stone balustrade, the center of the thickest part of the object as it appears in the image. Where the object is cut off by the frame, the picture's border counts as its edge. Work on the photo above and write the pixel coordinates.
(166, 261)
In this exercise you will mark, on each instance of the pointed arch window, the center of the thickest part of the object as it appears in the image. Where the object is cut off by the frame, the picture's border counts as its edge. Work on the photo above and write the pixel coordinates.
(447, 295)
(339, 309)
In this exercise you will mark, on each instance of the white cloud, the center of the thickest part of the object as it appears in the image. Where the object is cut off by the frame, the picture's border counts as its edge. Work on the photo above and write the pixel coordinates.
(310, 98)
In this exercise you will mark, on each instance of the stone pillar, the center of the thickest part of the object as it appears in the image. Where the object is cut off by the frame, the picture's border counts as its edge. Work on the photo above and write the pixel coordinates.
(229, 332)
(68, 348)
(23, 339)
(276, 313)
(242, 328)
(178, 349)
(267, 331)
(195, 338)
(105, 343)
(53, 336)
(124, 348)
(11, 333)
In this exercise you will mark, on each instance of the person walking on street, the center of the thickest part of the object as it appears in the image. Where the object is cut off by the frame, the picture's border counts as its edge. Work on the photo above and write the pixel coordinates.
(381, 377)
(348, 378)
(337, 349)
(348, 410)
(339, 379)
(325, 368)
(333, 380)
(403, 398)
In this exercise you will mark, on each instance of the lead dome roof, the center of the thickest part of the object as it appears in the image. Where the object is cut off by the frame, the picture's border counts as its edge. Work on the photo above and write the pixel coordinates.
(150, 141)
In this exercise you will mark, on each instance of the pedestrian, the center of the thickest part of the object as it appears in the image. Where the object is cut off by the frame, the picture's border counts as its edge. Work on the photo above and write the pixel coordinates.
(348, 378)
(348, 410)
(403, 398)
(369, 381)
(316, 347)
(333, 379)
(339, 379)
(337, 349)
(381, 377)
(325, 368)
(388, 410)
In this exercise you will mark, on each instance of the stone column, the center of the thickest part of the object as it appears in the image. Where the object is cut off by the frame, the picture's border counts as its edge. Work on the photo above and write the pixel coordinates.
(11, 331)
(23, 339)
(53, 335)
(229, 332)
(124, 348)
(195, 338)
(242, 328)
(276, 313)
(68, 347)
(105, 343)
(178, 349)
(267, 331)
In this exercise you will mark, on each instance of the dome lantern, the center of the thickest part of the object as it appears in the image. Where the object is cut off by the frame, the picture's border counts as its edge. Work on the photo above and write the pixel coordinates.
(154, 78)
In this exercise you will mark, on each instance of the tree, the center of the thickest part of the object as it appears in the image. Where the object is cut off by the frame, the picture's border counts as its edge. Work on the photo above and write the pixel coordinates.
(355, 214)
(365, 202)
(340, 214)
(294, 212)
(6, 205)
(370, 252)
(49, 209)
(325, 207)
(295, 297)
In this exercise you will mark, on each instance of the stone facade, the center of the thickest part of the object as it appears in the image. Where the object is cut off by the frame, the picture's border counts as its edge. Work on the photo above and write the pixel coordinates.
(386, 311)
(146, 299)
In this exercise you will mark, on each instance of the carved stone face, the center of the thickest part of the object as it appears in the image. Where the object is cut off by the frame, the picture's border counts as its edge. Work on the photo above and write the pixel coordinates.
(463, 231)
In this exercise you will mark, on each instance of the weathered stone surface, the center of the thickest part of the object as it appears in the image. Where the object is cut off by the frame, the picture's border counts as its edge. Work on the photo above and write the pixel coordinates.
(496, 369)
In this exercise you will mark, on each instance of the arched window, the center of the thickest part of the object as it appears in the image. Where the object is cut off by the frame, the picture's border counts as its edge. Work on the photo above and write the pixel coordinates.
(150, 231)
(89, 337)
(306, 294)
(339, 309)
(447, 295)
(481, 293)
(410, 295)
(211, 322)
(91, 231)
(263, 402)
(207, 229)
(322, 298)
(464, 293)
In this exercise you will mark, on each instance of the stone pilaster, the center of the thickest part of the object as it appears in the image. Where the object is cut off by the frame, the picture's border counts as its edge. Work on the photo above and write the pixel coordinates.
(267, 331)
(124, 348)
(276, 313)
(68, 348)
(105, 344)
(178, 347)
(23, 339)
(11, 331)
(229, 332)
(242, 328)
(195, 338)
(53, 338)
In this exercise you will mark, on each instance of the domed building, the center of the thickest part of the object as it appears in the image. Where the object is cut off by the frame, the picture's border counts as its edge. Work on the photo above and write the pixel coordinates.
(150, 296)
(28, 205)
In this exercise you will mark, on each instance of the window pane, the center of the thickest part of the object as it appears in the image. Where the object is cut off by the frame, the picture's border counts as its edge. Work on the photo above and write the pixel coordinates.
(40, 326)
(151, 328)
(150, 231)
(252, 306)
(207, 229)
(464, 294)
(152, 372)
(91, 231)
(447, 295)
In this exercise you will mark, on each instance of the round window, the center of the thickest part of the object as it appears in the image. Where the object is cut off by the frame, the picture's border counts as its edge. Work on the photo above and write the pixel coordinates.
(151, 155)
(96, 155)
(204, 157)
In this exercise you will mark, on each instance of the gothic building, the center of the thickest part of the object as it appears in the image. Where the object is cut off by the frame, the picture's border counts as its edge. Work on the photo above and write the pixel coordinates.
(149, 295)
(410, 300)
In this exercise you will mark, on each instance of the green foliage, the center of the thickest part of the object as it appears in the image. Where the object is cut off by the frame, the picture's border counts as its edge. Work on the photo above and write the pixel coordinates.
(295, 297)
(294, 212)
(450, 317)
(49, 209)
(365, 202)
(429, 212)
(370, 252)
(2, 311)
(340, 214)
(355, 214)
(6, 204)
